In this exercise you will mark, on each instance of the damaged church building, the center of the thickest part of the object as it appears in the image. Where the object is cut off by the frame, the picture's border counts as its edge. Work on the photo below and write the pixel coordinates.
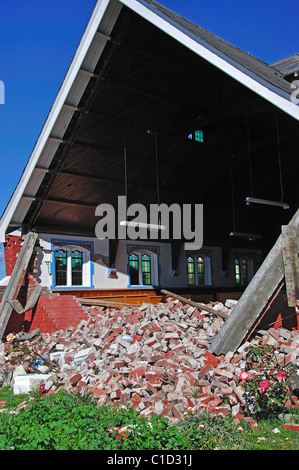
(157, 111)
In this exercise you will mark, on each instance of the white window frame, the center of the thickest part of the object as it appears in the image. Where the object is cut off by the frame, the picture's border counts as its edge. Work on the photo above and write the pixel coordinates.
(86, 266)
(154, 268)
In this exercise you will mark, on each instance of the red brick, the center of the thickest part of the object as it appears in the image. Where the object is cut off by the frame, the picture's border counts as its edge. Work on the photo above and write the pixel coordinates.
(211, 356)
(137, 373)
(250, 422)
(98, 393)
(238, 418)
(291, 427)
(204, 370)
(74, 379)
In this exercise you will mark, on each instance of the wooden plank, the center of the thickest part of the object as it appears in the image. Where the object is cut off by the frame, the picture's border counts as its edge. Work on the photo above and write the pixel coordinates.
(105, 303)
(195, 304)
(290, 260)
(16, 279)
(254, 299)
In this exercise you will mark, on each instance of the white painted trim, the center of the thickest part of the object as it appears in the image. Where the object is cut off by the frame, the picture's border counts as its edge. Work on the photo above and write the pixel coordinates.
(249, 79)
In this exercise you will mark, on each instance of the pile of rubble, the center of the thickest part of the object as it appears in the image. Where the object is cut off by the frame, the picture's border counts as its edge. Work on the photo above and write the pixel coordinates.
(155, 358)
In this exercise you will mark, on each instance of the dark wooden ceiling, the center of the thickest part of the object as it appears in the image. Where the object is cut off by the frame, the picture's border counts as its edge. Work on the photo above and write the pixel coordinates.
(149, 94)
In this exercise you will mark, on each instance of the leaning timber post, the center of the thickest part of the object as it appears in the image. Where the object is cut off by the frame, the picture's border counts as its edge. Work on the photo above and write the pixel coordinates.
(254, 299)
(16, 279)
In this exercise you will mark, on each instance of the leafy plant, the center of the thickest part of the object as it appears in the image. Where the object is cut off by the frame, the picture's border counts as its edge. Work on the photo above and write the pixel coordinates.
(68, 421)
(207, 432)
(265, 383)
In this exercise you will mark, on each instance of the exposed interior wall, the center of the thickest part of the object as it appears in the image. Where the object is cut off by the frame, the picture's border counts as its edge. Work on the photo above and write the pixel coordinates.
(99, 267)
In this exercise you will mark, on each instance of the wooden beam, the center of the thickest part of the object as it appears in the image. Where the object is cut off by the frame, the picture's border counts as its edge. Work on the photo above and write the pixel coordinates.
(254, 300)
(195, 304)
(290, 260)
(105, 303)
(16, 279)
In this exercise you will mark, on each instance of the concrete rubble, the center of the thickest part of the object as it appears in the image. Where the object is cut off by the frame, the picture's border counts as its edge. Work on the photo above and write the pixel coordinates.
(155, 358)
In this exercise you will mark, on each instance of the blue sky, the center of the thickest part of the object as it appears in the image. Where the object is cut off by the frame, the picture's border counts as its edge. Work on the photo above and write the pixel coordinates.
(38, 40)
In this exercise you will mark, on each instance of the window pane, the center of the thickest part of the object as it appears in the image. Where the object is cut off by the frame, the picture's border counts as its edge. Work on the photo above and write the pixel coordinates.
(245, 271)
(198, 135)
(237, 271)
(191, 271)
(146, 269)
(201, 271)
(77, 264)
(60, 268)
(133, 265)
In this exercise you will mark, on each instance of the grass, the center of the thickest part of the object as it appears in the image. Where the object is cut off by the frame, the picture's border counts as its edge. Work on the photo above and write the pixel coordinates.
(261, 438)
(6, 394)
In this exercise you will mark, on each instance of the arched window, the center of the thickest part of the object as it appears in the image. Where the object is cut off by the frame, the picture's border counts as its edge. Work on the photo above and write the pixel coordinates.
(143, 268)
(237, 272)
(77, 268)
(200, 270)
(146, 269)
(245, 271)
(61, 267)
(134, 269)
(72, 267)
(191, 271)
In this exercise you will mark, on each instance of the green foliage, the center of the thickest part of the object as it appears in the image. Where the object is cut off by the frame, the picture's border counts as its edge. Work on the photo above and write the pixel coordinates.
(65, 421)
(6, 394)
(266, 385)
(207, 432)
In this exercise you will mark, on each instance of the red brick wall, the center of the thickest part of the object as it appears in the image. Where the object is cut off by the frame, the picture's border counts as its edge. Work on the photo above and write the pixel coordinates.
(12, 248)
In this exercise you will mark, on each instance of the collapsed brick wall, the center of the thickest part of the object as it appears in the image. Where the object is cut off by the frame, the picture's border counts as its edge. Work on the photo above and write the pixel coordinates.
(52, 312)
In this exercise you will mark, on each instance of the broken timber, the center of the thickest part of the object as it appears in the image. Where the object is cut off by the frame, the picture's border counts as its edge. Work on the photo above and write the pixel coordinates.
(195, 304)
(16, 280)
(31, 302)
(254, 299)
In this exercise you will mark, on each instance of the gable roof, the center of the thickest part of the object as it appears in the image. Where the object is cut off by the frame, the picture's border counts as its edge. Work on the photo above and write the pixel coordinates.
(244, 68)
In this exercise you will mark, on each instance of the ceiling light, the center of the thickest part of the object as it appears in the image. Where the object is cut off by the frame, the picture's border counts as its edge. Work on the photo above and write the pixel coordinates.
(266, 202)
(249, 236)
(142, 225)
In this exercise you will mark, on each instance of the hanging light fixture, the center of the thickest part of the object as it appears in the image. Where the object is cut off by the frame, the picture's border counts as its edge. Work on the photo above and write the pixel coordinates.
(249, 236)
(256, 200)
(267, 202)
(132, 223)
(234, 233)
